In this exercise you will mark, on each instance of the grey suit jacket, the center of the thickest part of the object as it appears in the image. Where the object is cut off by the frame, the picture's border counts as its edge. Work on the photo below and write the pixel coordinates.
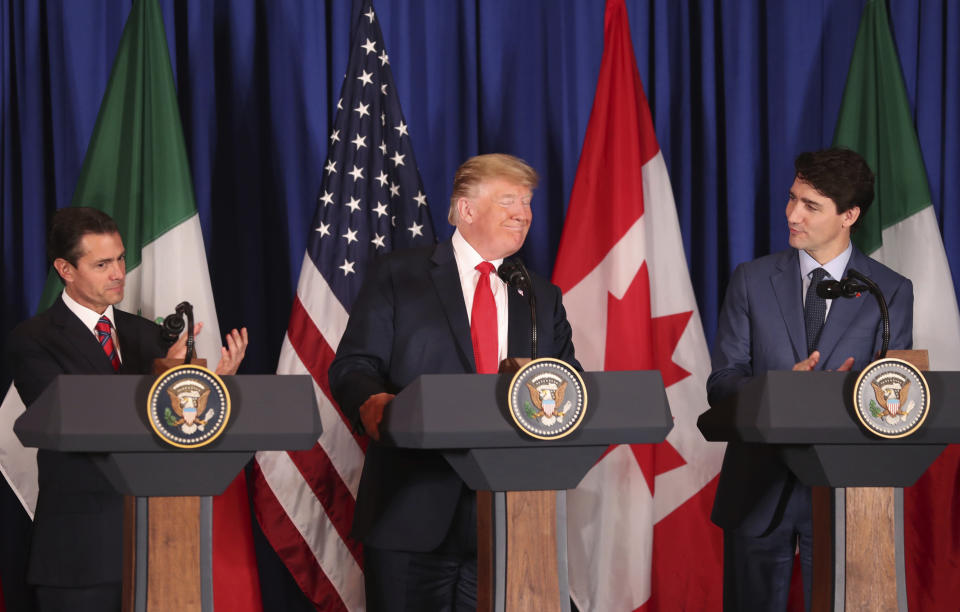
(761, 328)
(410, 319)
(78, 524)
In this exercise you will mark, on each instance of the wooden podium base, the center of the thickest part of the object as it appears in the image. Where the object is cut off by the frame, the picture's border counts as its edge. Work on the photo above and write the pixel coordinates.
(521, 554)
(858, 549)
(167, 554)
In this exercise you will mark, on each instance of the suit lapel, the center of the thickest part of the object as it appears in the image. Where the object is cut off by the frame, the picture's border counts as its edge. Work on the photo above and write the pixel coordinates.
(518, 325)
(786, 288)
(843, 311)
(446, 279)
(72, 331)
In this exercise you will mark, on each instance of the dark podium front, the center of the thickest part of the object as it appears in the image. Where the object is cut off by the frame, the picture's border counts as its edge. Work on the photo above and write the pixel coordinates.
(267, 413)
(522, 534)
(810, 417)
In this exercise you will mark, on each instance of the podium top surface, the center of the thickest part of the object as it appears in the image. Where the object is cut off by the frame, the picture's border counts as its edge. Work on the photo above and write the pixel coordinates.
(784, 407)
(462, 411)
(78, 413)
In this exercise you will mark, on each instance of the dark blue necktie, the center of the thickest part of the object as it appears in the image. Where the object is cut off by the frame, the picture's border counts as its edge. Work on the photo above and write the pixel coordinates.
(814, 310)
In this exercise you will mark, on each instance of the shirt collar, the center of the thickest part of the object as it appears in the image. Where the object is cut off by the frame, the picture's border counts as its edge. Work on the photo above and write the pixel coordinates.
(835, 267)
(466, 255)
(88, 317)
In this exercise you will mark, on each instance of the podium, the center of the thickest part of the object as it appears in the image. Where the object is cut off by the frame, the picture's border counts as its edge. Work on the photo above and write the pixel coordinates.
(808, 416)
(521, 532)
(167, 518)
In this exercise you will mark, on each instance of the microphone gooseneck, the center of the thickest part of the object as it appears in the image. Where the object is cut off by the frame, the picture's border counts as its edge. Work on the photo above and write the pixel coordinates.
(852, 286)
(514, 273)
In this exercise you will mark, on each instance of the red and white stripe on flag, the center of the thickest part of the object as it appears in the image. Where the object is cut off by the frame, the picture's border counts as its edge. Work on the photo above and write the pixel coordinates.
(306, 507)
(639, 530)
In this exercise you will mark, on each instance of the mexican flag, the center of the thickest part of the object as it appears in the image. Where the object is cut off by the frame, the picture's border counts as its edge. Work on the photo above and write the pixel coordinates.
(901, 230)
(136, 170)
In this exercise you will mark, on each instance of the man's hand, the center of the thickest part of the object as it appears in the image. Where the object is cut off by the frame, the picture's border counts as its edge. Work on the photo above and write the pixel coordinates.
(232, 354)
(371, 413)
(810, 362)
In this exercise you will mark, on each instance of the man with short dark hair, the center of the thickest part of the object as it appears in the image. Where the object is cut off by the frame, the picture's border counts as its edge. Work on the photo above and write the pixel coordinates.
(439, 309)
(773, 319)
(75, 554)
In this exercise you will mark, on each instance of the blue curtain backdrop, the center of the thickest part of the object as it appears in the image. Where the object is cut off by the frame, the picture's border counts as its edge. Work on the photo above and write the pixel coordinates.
(736, 88)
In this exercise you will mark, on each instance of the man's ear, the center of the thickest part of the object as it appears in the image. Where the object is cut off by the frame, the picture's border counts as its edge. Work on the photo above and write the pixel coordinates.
(465, 210)
(850, 216)
(63, 268)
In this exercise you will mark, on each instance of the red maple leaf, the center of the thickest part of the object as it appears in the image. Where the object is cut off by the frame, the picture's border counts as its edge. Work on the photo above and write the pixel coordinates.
(636, 340)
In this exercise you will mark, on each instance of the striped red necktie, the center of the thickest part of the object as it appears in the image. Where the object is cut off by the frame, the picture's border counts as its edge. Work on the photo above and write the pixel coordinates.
(483, 322)
(106, 342)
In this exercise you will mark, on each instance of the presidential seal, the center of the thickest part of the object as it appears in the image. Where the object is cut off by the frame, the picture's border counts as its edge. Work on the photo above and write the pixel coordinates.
(547, 399)
(891, 398)
(188, 406)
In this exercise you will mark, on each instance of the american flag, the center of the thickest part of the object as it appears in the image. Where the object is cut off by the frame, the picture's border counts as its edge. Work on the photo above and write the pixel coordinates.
(371, 201)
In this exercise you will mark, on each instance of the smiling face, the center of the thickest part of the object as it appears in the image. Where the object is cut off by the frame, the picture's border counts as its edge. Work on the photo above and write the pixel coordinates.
(814, 223)
(97, 280)
(495, 218)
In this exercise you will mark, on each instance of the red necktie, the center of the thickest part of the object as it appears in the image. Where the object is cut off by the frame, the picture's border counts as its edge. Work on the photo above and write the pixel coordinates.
(483, 322)
(106, 342)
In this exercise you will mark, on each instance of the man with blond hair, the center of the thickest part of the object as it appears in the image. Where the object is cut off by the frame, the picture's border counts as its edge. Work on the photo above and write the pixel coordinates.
(437, 310)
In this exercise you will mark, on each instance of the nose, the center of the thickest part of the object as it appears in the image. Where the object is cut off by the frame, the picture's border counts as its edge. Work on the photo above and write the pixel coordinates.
(118, 270)
(521, 211)
(793, 215)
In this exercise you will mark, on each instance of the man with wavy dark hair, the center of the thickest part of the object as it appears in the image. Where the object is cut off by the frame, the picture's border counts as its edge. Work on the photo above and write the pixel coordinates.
(75, 551)
(773, 319)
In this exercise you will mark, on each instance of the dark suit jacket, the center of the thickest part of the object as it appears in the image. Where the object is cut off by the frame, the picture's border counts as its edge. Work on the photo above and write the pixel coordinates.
(761, 328)
(410, 319)
(79, 518)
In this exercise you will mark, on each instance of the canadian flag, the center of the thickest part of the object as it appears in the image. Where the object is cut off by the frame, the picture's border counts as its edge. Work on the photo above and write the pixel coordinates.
(639, 530)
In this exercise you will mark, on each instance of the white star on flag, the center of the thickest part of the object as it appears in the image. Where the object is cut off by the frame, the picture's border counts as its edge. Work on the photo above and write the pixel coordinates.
(351, 236)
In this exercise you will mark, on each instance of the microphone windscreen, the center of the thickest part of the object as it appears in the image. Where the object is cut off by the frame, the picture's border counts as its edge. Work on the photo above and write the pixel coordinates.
(829, 289)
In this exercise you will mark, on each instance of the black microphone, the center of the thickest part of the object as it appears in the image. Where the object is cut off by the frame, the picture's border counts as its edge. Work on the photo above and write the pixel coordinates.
(514, 273)
(848, 287)
(173, 326)
(853, 286)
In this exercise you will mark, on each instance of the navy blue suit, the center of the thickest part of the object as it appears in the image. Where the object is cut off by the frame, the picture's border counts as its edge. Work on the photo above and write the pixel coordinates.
(78, 527)
(761, 328)
(410, 319)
